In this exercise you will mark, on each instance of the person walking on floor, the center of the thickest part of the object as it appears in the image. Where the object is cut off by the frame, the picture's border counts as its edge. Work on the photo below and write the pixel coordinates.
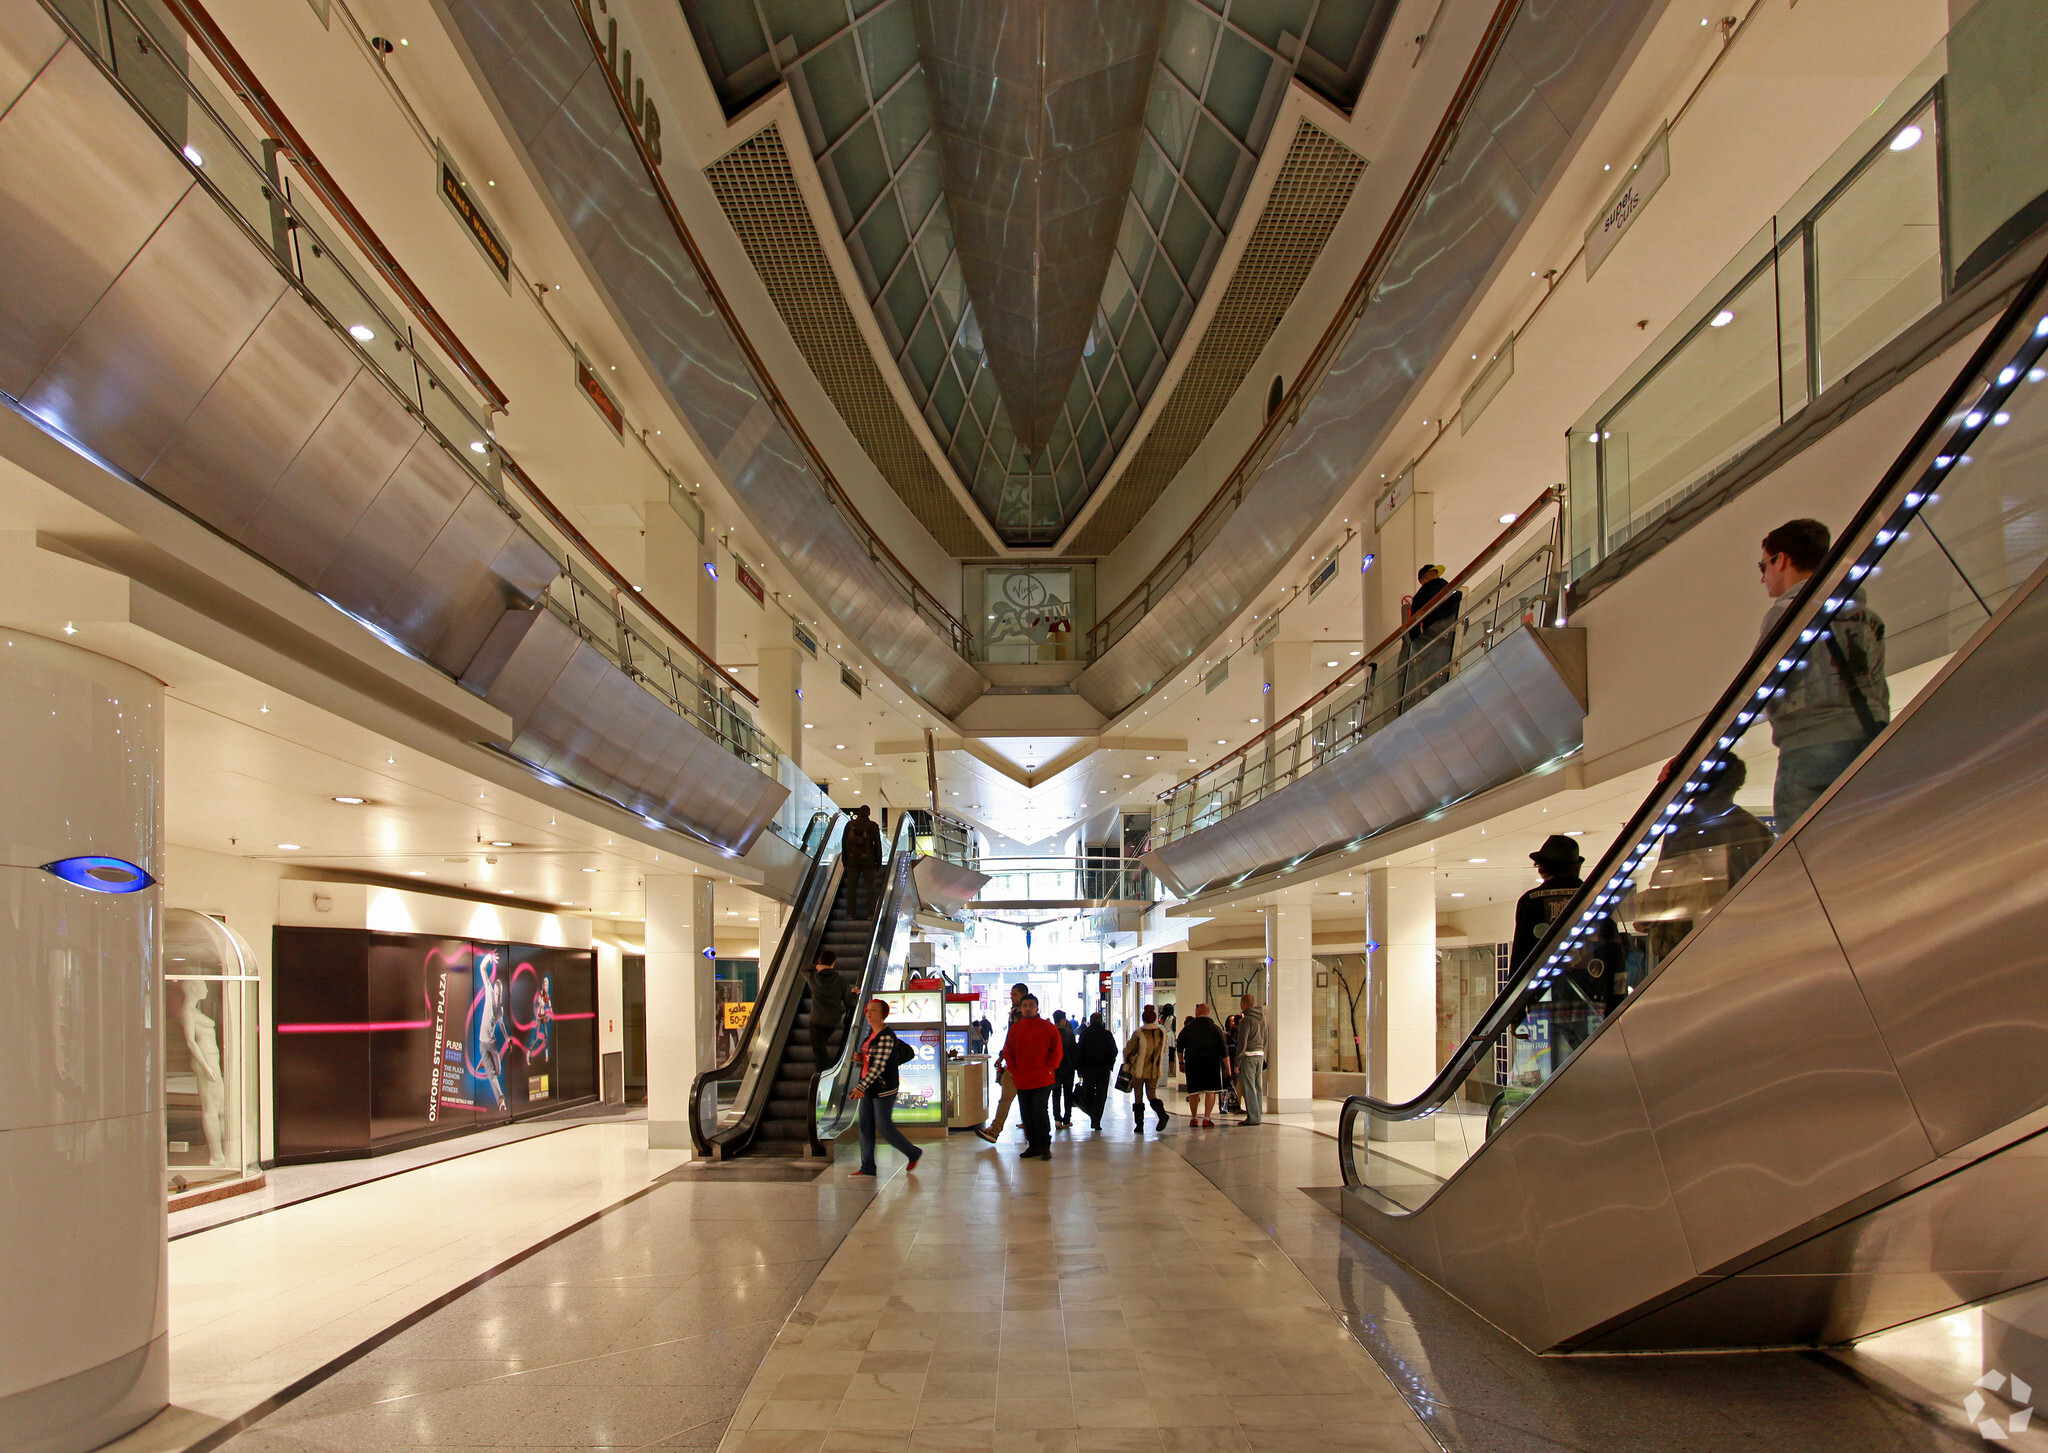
(1248, 1053)
(831, 1001)
(994, 1128)
(1033, 1050)
(1095, 1057)
(1205, 1059)
(882, 1054)
(1835, 700)
(860, 851)
(1144, 1061)
(1070, 1065)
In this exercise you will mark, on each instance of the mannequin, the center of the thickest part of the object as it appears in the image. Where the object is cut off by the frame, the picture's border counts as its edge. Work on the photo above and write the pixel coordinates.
(202, 1042)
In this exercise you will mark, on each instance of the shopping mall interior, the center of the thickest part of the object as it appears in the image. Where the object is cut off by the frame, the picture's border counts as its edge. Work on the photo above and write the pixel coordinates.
(1249, 625)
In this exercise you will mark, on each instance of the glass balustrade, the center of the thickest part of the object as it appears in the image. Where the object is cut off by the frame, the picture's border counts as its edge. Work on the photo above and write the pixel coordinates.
(250, 177)
(1939, 548)
(1513, 584)
(1937, 184)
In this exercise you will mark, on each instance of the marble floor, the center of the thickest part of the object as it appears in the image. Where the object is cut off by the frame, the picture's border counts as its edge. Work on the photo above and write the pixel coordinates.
(1181, 1293)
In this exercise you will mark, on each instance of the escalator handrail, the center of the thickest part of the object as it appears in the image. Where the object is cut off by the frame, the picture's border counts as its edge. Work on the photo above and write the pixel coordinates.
(1857, 548)
(766, 995)
(903, 859)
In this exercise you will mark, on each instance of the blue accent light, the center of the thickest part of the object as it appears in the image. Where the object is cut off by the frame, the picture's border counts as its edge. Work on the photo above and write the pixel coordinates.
(711, 569)
(101, 875)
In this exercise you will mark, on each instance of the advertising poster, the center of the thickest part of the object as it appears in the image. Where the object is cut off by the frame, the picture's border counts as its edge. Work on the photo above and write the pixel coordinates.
(921, 1100)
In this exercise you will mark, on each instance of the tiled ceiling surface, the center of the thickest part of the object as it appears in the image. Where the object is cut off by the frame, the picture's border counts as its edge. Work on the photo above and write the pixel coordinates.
(759, 193)
(1309, 195)
(853, 70)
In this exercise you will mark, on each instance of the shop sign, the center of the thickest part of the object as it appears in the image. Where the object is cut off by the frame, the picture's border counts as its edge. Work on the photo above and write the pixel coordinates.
(1323, 576)
(805, 639)
(476, 223)
(592, 388)
(1649, 173)
(749, 582)
(619, 60)
(1217, 675)
(847, 679)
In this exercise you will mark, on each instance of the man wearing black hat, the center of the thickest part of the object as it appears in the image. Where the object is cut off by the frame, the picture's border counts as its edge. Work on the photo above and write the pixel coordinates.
(1594, 981)
(1559, 862)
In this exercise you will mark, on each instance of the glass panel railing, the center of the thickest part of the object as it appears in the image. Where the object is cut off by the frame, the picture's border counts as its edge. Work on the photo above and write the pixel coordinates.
(1956, 527)
(1513, 583)
(1913, 205)
(1063, 878)
(886, 968)
(243, 173)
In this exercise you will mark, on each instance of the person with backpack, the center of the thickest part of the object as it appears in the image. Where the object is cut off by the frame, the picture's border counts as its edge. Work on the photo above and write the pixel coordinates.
(882, 1055)
(1835, 700)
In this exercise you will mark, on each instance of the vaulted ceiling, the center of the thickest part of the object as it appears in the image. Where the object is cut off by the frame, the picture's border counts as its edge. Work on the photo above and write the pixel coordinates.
(1034, 194)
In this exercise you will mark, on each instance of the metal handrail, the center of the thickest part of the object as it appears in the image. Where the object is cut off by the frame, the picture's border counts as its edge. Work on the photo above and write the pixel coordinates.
(750, 1054)
(1481, 624)
(288, 217)
(1111, 627)
(830, 1113)
(1908, 485)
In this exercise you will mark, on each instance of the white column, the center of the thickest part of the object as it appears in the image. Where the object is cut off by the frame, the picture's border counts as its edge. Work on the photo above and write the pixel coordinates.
(84, 1344)
(1290, 1014)
(611, 1012)
(1289, 678)
(675, 581)
(679, 1003)
(1404, 545)
(1400, 1058)
(779, 683)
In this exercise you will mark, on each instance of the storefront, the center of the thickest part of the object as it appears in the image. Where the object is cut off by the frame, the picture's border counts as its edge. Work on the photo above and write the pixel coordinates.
(210, 1053)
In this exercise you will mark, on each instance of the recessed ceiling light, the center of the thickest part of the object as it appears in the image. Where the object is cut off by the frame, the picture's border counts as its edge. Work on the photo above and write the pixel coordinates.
(417, 873)
(1906, 140)
(501, 845)
(1721, 319)
(567, 903)
(1457, 895)
(839, 746)
(361, 333)
(1329, 663)
(287, 847)
(1152, 758)
(1508, 519)
(1475, 860)
(352, 801)
(1344, 893)
(1575, 832)
(1222, 741)
(590, 870)
(807, 726)
(1127, 776)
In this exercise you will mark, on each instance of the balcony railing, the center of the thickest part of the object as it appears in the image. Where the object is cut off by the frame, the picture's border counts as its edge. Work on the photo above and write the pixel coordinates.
(1515, 582)
(1929, 193)
(296, 222)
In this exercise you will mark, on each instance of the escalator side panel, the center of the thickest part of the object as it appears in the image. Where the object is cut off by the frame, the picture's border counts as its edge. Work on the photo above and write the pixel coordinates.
(1488, 1248)
(1770, 1092)
(1598, 1196)
(1962, 790)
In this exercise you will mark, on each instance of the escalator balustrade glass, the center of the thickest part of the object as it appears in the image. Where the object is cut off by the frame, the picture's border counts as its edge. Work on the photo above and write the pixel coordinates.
(1955, 528)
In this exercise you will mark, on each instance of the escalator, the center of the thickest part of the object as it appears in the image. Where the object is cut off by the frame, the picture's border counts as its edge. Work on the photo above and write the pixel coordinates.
(771, 1097)
(1819, 1109)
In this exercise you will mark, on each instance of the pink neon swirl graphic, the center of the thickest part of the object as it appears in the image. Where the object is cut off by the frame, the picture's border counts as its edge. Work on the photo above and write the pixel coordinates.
(366, 1027)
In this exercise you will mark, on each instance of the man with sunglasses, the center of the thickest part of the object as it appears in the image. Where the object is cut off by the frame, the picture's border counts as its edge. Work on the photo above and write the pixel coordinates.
(1834, 701)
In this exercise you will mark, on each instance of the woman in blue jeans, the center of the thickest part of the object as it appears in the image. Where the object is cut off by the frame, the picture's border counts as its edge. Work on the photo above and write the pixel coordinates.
(876, 1091)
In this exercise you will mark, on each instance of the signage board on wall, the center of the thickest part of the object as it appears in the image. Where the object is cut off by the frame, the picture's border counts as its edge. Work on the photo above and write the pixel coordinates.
(476, 223)
(592, 387)
(749, 582)
(1649, 173)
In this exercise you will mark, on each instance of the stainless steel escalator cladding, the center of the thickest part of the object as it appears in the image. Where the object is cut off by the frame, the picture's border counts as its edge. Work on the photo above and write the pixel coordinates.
(537, 63)
(1554, 63)
(1823, 1109)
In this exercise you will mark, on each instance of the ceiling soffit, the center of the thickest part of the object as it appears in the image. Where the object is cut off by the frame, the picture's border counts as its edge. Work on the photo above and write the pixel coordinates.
(854, 73)
(1038, 107)
(757, 190)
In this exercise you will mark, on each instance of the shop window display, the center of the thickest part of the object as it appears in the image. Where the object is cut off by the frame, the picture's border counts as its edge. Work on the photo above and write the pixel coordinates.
(209, 1054)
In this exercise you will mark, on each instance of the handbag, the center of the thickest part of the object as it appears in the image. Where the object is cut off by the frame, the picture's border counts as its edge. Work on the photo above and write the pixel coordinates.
(1123, 1079)
(901, 1055)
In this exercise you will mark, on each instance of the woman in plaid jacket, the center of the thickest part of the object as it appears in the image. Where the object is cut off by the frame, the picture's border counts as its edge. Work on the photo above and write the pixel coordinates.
(876, 1090)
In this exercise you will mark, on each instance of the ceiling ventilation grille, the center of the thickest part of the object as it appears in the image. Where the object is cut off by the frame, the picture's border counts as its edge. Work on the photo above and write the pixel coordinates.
(1309, 195)
(755, 186)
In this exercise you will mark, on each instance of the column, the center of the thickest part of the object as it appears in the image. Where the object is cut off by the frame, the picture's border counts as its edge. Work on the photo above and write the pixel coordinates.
(679, 1003)
(780, 685)
(1400, 973)
(676, 582)
(84, 1344)
(1404, 545)
(1290, 1014)
(1289, 678)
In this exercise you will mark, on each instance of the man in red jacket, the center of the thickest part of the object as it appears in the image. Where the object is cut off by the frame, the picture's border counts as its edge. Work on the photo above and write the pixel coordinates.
(1033, 1052)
